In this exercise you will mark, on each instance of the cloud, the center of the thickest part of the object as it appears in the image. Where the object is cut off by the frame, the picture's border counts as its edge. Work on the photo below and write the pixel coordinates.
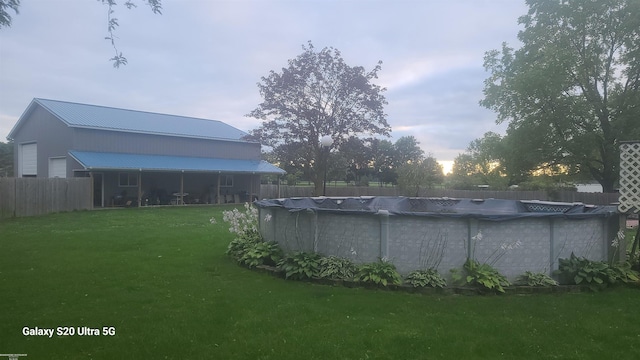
(449, 115)
(410, 72)
(204, 58)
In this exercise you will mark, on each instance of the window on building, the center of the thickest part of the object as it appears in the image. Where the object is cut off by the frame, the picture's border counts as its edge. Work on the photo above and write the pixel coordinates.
(28, 160)
(128, 180)
(226, 180)
(58, 167)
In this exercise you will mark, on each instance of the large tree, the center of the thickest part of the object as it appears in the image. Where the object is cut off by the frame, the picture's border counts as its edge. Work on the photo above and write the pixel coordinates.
(572, 91)
(407, 149)
(112, 21)
(358, 158)
(5, 15)
(318, 94)
(291, 158)
(483, 163)
(383, 153)
(424, 173)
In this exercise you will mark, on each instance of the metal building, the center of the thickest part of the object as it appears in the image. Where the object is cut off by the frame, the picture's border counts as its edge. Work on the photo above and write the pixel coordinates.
(138, 158)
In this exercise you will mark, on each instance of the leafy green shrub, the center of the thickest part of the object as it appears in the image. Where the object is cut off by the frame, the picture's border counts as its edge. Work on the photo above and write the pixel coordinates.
(580, 270)
(379, 273)
(261, 253)
(595, 274)
(363, 181)
(625, 273)
(300, 265)
(634, 260)
(426, 278)
(239, 246)
(481, 276)
(535, 279)
(247, 247)
(333, 267)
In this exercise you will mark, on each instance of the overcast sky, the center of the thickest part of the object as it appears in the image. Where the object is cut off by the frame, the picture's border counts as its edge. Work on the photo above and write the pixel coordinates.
(203, 58)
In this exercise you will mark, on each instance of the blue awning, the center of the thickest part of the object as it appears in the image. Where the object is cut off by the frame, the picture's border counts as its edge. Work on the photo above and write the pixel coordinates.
(118, 161)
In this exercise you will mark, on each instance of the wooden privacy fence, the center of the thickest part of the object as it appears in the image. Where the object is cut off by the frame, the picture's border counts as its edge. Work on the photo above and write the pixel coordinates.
(272, 191)
(38, 196)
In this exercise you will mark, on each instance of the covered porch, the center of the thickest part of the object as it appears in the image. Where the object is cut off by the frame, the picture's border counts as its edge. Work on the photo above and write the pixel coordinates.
(146, 180)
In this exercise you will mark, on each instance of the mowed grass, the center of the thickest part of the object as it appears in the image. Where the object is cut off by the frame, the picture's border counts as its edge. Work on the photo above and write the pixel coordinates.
(160, 277)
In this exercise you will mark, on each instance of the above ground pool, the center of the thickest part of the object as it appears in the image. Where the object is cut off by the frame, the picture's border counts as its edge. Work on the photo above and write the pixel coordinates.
(419, 233)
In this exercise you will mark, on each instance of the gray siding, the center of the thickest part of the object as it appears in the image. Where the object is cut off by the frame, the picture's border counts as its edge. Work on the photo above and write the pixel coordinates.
(54, 139)
(123, 142)
(51, 135)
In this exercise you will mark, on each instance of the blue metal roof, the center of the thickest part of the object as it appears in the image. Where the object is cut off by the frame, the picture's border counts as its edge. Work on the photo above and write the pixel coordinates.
(114, 119)
(119, 161)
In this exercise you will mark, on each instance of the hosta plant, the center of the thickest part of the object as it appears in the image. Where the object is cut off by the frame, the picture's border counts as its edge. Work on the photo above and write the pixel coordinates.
(333, 267)
(261, 253)
(380, 273)
(300, 265)
(535, 279)
(244, 226)
(625, 273)
(482, 276)
(425, 278)
(239, 246)
(597, 275)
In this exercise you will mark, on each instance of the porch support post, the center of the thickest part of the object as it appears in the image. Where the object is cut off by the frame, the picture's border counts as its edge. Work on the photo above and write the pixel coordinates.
(251, 179)
(218, 189)
(93, 191)
(140, 188)
(182, 188)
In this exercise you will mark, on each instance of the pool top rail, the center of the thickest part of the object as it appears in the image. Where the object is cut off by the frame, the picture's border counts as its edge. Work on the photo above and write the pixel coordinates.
(487, 209)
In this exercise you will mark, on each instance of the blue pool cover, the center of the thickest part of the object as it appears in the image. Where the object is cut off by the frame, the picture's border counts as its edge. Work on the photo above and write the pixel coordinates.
(487, 209)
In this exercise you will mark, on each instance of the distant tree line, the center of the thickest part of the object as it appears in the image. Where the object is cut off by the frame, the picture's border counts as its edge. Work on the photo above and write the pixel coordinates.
(494, 161)
(365, 162)
(6, 159)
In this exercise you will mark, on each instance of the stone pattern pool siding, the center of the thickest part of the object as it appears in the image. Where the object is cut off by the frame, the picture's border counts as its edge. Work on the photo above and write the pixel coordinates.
(415, 242)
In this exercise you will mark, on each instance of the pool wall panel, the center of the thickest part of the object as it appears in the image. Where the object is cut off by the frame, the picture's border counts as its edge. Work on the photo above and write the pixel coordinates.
(418, 242)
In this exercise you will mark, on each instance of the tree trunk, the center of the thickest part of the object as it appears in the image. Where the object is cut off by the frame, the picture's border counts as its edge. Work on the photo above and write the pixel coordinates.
(610, 155)
(609, 174)
(318, 186)
(606, 177)
(318, 180)
(607, 185)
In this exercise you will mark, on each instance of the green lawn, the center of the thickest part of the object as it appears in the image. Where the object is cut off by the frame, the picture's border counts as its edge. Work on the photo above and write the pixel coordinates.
(161, 279)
